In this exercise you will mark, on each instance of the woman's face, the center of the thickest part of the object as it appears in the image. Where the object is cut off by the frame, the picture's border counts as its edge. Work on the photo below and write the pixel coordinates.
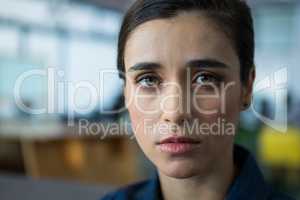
(183, 93)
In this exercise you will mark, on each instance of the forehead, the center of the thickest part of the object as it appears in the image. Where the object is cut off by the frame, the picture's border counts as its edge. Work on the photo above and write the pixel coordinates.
(175, 41)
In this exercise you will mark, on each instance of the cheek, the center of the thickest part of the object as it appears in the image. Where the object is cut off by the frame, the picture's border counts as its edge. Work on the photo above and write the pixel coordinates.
(137, 120)
(138, 126)
(142, 129)
(143, 102)
(142, 106)
(220, 110)
(232, 103)
(206, 106)
(143, 115)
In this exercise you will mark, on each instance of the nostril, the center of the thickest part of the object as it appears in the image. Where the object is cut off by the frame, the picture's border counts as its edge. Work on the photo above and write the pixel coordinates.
(174, 128)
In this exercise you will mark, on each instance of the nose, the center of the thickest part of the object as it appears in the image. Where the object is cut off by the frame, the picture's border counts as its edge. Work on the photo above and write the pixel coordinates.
(175, 104)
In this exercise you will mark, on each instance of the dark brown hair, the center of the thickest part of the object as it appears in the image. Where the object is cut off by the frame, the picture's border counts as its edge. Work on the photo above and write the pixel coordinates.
(231, 16)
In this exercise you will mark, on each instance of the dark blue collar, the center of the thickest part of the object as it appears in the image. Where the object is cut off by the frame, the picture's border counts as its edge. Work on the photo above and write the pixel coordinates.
(250, 178)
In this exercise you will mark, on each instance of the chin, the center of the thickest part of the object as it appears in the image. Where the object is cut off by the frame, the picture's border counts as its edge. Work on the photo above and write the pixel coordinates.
(179, 169)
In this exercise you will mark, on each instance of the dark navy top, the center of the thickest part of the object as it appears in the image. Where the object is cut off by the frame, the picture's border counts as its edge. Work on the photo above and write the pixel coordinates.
(249, 184)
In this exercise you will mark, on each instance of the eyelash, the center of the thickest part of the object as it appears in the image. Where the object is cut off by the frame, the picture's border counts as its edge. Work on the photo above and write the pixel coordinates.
(216, 79)
(213, 78)
(147, 76)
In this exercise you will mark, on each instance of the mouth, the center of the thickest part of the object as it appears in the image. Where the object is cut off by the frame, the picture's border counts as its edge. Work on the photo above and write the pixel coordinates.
(178, 145)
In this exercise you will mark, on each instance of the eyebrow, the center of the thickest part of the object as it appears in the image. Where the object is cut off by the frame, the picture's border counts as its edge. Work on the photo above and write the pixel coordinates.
(144, 66)
(197, 63)
(206, 63)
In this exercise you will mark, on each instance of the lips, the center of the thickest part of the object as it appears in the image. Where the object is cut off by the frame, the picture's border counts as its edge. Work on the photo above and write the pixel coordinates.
(178, 145)
(179, 140)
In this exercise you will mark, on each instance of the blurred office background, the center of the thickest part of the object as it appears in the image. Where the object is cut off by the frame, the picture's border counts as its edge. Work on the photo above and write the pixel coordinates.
(51, 54)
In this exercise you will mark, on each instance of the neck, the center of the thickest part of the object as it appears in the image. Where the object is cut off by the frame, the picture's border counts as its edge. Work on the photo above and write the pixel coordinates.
(211, 186)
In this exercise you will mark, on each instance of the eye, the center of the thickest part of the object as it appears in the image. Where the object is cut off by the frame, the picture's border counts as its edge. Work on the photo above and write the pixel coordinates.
(148, 81)
(207, 79)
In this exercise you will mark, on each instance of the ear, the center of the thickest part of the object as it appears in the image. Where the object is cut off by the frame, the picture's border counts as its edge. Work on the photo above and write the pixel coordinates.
(247, 90)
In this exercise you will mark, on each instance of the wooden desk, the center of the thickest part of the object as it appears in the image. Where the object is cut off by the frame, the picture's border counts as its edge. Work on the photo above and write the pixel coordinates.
(88, 159)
